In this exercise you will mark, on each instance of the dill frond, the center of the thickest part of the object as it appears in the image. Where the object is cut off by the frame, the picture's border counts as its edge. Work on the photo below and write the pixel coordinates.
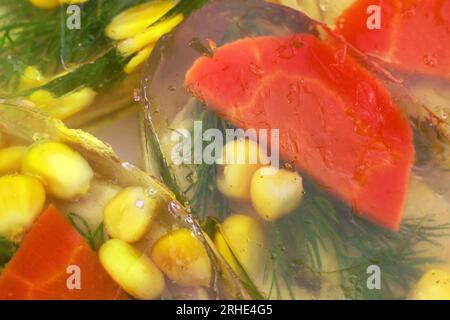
(30, 36)
(95, 238)
(204, 188)
(322, 224)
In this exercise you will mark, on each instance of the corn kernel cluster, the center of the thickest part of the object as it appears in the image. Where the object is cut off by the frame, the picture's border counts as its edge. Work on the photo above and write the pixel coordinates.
(136, 30)
(28, 174)
(31, 176)
(273, 193)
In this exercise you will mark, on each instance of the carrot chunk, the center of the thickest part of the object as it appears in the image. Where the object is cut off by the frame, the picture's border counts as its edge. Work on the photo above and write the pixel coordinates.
(336, 122)
(414, 34)
(40, 269)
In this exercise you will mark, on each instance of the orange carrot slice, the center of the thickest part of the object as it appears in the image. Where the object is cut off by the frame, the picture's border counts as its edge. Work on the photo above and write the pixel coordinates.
(40, 269)
(336, 122)
(414, 34)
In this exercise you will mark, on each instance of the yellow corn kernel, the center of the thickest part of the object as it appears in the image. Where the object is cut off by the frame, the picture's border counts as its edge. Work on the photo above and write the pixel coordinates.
(135, 20)
(240, 160)
(245, 236)
(11, 159)
(45, 4)
(42, 99)
(71, 103)
(64, 106)
(275, 194)
(32, 78)
(132, 270)
(434, 285)
(65, 173)
(138, 60)
(49, 4)
(181, 256)
(22, 199)
(150, 35)
(129, 214)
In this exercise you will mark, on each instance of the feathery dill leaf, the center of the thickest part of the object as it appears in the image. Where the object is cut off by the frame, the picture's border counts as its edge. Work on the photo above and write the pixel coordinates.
(30, 36)
(96, 75)
(95, 238)
(321, 225)
(205, 194)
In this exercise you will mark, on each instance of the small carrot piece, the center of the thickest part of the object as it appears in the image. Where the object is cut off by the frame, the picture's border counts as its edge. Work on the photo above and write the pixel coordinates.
(40, 269)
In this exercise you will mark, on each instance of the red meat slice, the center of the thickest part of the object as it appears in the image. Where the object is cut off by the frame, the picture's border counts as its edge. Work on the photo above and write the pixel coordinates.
(414, 34)
(336, 122)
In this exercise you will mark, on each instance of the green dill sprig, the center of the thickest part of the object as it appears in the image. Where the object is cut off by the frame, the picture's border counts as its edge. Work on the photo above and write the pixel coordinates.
(95, 238)
(321, 224)
(30, 36)
(97, 74)
(205, 194)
